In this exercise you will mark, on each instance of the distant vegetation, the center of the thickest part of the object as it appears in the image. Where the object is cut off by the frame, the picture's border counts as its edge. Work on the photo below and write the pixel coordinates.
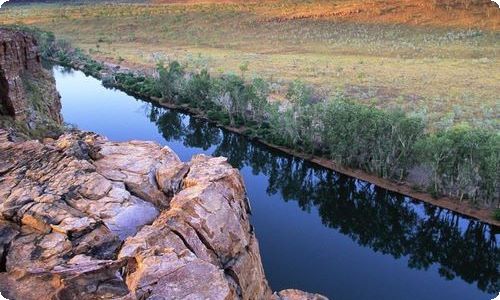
(26, 2)
(435, 59)
(461, 162)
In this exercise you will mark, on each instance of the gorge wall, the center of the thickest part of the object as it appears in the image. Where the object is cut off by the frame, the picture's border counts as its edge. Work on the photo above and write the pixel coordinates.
(27, 91)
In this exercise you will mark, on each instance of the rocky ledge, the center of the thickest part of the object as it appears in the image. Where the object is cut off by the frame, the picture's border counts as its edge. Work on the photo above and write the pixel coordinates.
(86, 218)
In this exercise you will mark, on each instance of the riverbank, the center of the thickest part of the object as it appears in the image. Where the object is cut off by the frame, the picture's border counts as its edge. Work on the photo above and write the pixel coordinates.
(108, 69)
(462, 207)
(484, 215)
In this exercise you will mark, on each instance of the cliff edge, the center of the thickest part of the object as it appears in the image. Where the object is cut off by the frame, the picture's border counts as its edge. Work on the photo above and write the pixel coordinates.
(86, 218)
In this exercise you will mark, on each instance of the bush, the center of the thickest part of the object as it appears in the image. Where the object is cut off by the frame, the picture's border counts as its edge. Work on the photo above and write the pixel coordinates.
(377, 141)
(137, 84)
(258, 92)
(197, 90)
(298, 93)
(46, 43)
(92, 68)
(171, 80)
(230, 93)
(108, 81)
(464, 162)
(496, 214)
(282, 127)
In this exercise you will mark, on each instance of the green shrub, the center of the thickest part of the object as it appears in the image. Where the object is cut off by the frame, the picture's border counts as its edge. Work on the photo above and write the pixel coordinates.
(355, 135)
(171, 80)
(465, 163)
(230, 93)
(92, 68)
(218, 116)
(138, 84)
(282, 126)
(496, 214)
(299, 93)
(197, 90)
(258, 93)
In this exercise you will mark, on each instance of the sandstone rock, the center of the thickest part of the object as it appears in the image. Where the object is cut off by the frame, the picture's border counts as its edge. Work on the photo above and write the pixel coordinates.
(35, 223)
(8, 232)
(65, 208)
(292, 294)
(86, 218)
(87, 279)
(164, 274)
(205, 232)
(27, 91)
(137, 164)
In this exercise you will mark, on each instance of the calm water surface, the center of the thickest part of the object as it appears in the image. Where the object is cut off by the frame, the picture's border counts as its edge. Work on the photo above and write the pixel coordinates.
(318, 231)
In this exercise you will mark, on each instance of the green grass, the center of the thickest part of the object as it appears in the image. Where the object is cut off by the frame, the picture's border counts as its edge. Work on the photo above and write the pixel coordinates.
(447, 76)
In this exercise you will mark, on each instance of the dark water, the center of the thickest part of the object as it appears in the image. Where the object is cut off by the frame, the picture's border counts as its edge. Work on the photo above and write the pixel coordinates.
(318, 231)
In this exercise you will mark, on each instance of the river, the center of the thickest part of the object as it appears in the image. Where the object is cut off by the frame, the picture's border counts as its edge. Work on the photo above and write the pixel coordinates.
(318, 230)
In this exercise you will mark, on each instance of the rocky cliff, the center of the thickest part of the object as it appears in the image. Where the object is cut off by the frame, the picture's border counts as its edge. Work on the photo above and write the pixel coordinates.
(86, 218)
(27, 91)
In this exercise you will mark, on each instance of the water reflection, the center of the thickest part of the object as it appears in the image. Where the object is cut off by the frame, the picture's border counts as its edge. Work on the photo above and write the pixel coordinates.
(373, 217)
(318, 231)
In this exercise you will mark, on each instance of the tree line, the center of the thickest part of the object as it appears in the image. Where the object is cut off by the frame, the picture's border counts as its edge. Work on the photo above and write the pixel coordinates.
(461, 162)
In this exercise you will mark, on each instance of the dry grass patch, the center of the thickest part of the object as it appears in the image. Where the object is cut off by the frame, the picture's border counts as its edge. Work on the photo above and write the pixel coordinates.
(443, 72)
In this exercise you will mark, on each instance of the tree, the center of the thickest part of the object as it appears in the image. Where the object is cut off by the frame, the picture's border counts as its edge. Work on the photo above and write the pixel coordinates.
(171, 80)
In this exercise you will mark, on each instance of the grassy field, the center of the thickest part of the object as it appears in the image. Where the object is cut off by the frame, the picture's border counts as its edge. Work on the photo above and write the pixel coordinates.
(439, 62)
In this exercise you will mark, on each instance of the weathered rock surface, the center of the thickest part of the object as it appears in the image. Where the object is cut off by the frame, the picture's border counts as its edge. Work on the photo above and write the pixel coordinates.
(292, 294)
(85, 218)
(27, 91)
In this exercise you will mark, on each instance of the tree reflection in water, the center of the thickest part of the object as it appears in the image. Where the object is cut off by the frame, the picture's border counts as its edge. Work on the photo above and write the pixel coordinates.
(373, 217)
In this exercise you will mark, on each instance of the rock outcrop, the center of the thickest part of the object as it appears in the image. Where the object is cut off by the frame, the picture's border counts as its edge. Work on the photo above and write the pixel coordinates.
(27, 91)
(85, 218)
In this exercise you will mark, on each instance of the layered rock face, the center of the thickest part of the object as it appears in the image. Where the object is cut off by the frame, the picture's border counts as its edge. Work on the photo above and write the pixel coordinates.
(27, 91)
(86, 218)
